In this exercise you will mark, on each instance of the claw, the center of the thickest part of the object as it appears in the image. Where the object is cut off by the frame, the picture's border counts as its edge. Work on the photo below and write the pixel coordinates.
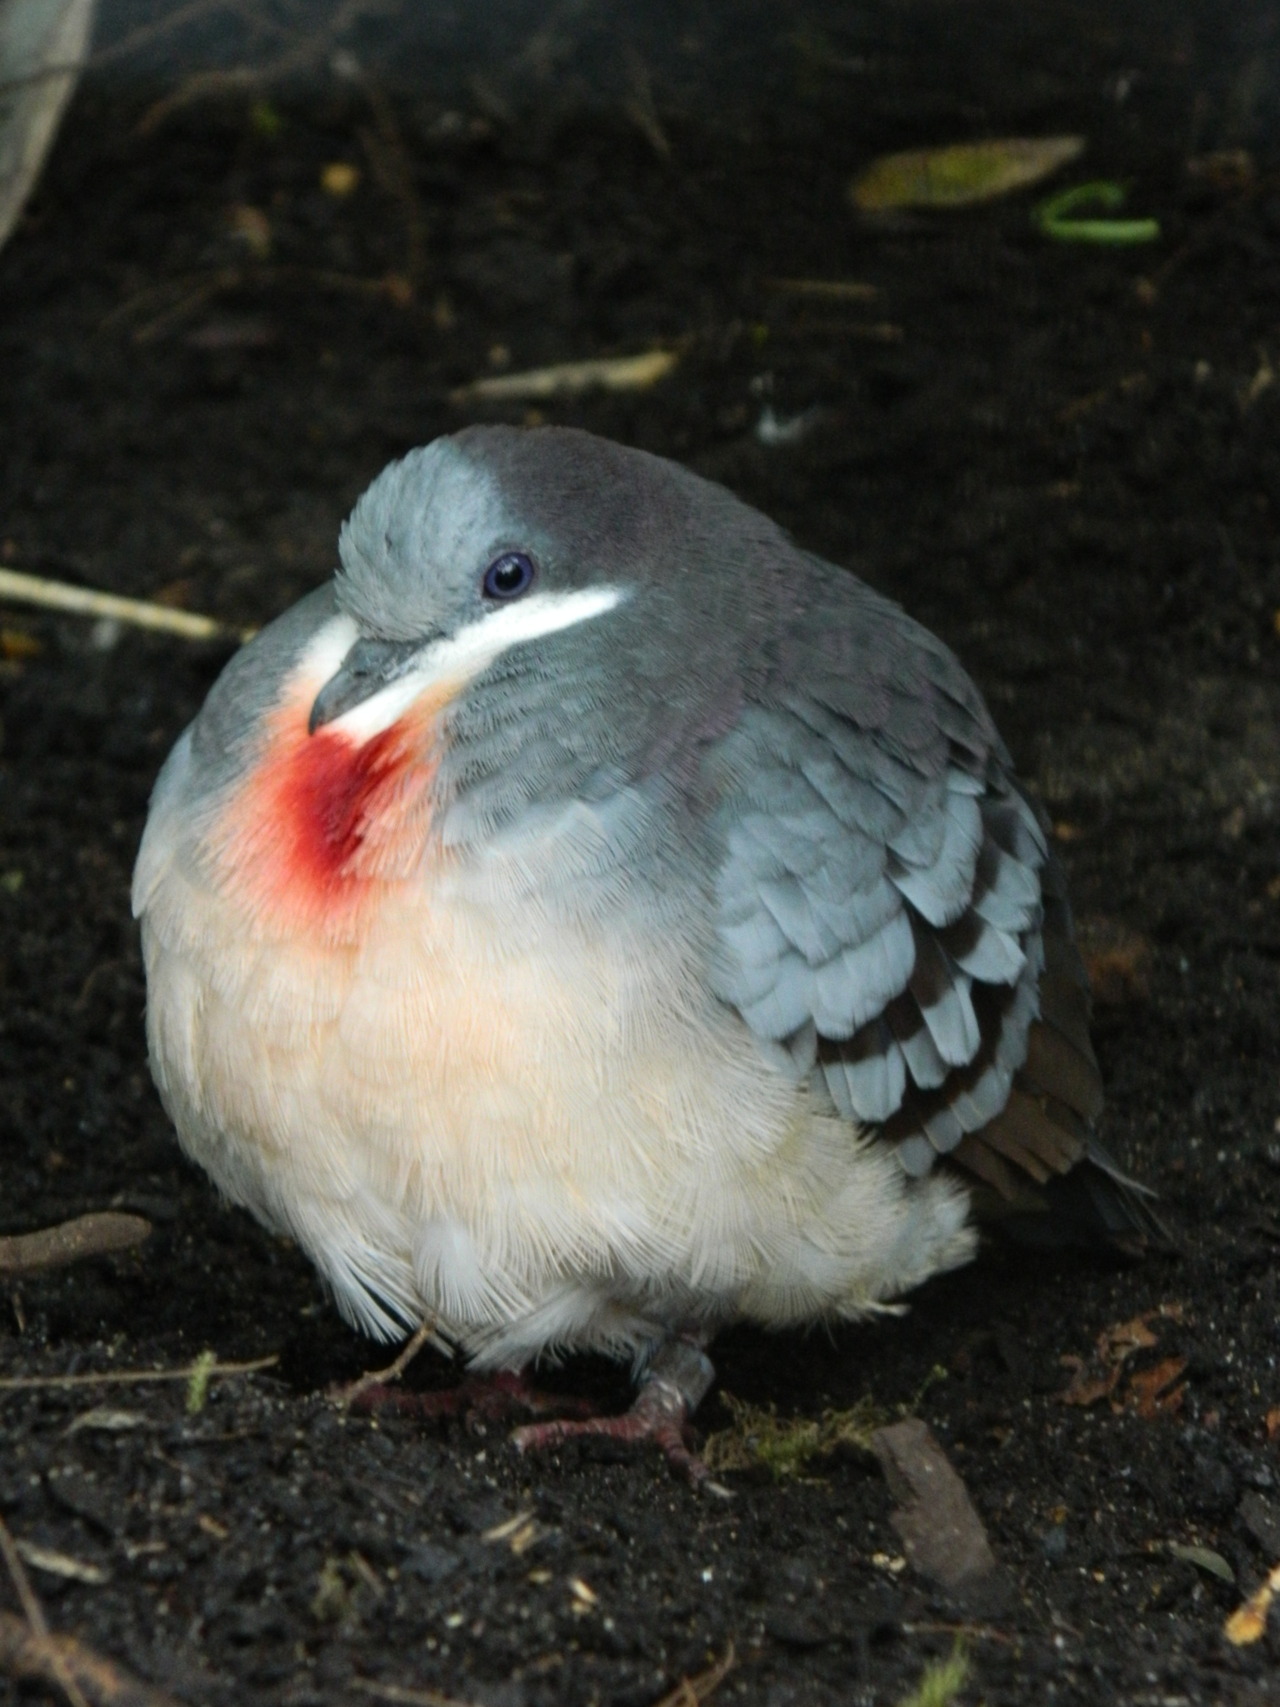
(674, 1384)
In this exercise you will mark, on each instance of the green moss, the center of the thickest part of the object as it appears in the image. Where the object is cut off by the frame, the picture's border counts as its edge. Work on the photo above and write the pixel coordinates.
(942, 1681)
(786, 1445)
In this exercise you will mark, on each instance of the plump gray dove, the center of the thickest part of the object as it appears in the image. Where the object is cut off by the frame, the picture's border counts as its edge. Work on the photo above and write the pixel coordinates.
(590, 920)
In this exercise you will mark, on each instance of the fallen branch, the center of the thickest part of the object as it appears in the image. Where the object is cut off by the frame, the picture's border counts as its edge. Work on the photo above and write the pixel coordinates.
(87, 601)
(135, 1377)
(22, 1254)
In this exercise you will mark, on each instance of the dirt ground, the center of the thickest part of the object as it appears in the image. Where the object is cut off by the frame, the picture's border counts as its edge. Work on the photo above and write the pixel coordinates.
(1066, 459)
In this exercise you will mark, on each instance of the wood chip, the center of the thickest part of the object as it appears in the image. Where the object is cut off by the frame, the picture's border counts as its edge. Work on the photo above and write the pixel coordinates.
(941, 1532)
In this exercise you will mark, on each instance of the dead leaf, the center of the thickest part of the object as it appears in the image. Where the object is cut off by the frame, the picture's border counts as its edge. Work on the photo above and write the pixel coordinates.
(962, 174)
(1098, 1376)
(1203, 1558)
(1127, 1337)
(1117, 959)
(1248, 1623)
(1152, 1393)
(1084, 1387)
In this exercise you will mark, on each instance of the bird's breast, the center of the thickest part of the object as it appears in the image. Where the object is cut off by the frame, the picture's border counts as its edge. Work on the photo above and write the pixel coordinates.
(323, 823)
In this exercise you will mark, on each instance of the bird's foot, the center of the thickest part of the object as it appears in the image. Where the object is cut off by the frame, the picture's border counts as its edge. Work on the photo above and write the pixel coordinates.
(671, 1389)
(495, 1397)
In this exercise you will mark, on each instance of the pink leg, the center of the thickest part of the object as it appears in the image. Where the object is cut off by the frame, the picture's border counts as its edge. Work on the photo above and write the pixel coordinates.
(497, 1397)
(671, 1389)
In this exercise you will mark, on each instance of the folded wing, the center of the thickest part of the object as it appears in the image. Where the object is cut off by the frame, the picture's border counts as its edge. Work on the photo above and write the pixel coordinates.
(889, 911)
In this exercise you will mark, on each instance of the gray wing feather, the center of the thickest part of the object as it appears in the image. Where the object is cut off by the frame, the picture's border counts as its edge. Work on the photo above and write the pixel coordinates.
(879, 892)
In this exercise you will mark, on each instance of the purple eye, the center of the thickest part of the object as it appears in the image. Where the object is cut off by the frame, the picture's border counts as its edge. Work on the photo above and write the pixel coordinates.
(508, 576)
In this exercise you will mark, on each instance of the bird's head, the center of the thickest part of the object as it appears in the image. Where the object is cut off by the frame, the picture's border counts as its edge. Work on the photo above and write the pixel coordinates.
(521, 618)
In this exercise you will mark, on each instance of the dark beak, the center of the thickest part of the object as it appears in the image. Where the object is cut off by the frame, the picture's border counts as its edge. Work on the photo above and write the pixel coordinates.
(369, 666)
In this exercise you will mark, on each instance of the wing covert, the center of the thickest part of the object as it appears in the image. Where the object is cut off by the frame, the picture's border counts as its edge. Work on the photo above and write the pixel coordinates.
(879, 896)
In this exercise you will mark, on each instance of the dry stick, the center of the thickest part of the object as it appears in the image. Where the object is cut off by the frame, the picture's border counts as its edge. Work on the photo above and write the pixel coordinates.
(641, 108)
(395, 1369)
(240, 78)
(134, 1377)
(36, 1619)
(71, 1241)
(26, 1656)
(403, 1697)
(173, 21)
(691, 1691)
(392, 166)
(87, 601)
(200, 287)
(837, 290)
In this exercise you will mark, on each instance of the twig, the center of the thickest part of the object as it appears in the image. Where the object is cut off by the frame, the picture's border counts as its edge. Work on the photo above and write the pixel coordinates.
(391, 165)
(198, 288)
(157, 30)
(202, 85)
(97, 1682)
(426, 1335)
(569, 379)
(836, 290)
(641, 108)
(690, 1691)
(87, 601)
(71, 1241)
(397, 1693)
(36, 1619)
(133, 1377)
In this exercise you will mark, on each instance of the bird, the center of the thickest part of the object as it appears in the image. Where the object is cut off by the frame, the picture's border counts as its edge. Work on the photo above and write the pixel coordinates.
(590, 920)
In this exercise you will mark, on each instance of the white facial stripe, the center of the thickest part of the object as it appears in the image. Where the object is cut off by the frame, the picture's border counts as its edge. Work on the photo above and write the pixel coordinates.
(472, 649)
(326, 649)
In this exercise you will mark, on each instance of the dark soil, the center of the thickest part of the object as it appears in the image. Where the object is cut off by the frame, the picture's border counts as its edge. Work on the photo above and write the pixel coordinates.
(1066, 460)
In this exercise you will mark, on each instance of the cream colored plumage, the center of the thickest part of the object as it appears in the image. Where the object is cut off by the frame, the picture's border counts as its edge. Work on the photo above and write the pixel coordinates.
(461, 946)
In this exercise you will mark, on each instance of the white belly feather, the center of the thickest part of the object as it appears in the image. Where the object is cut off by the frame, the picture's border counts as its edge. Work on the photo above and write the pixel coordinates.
(532, 1136)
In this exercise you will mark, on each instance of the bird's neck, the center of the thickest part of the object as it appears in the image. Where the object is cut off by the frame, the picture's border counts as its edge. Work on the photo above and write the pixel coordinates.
(325, 822)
